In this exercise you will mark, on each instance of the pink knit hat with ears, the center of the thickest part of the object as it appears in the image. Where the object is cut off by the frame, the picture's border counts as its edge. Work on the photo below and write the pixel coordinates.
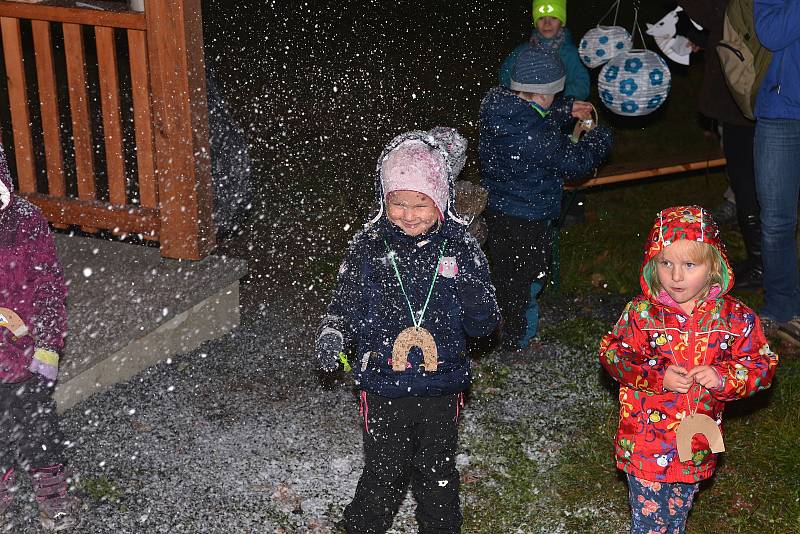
(416, 166)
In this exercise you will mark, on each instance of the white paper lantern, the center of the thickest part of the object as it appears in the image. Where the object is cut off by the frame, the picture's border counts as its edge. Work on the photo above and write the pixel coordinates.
(634, 83)
(602, 43)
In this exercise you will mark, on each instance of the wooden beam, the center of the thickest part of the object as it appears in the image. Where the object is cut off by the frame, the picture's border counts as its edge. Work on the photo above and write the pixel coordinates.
(183, 166)
(79, 110)
(142, 118)
(48, 100)
(73, 15)
(96, 214)
(18, 100)
(613, 175)
(110, 106)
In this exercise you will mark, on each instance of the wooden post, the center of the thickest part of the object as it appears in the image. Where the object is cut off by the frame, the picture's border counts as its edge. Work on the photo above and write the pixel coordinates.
(18, 100)
(183, 166)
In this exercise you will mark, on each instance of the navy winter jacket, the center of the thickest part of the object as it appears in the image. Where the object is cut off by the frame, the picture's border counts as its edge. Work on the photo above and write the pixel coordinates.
(525, 157)
(778, 28)
(369, 309)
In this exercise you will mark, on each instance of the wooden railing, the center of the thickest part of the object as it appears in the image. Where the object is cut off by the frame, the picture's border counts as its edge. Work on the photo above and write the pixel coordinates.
(157, 182)
(615, 173)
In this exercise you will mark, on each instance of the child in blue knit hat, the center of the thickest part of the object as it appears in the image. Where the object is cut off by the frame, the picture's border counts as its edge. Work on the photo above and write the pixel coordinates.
(549, 29)
(525, 159)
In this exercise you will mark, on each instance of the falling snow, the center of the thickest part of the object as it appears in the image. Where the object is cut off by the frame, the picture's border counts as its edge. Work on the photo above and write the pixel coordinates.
(240, 435)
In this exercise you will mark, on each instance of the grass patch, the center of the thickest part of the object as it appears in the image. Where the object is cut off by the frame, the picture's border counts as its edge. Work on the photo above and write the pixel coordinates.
(606, 252)
(100, 489)
(489, 376)
(579, 333)
(499, 496)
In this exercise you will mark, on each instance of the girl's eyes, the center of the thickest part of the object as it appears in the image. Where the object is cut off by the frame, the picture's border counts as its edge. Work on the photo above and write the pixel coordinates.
(406, 206)
(688, 264)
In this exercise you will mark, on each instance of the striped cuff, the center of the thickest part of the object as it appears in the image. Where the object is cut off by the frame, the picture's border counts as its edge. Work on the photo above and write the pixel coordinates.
(551, 88)
(45, 356)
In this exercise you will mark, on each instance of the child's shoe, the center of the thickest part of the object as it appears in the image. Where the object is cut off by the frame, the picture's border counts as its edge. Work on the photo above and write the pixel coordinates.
(58, 511)
(790, 331)
(7, 489)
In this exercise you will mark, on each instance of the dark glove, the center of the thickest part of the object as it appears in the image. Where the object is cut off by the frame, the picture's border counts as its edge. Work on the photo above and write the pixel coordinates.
(479, 308)
(329, 344)
(471, 291)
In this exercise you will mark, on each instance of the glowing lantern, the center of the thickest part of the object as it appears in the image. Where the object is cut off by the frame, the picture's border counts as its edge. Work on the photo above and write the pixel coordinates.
(634, 83)
(602, 43)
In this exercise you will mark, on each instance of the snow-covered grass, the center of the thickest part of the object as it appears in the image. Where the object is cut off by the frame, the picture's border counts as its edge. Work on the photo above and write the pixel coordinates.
(521, 433)
(239, 436)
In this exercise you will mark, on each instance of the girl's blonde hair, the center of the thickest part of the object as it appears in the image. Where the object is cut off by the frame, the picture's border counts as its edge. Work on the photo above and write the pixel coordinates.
(700, 253)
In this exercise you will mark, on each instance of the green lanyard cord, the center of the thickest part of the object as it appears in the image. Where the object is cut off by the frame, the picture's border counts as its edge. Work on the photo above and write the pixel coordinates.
(392, 254)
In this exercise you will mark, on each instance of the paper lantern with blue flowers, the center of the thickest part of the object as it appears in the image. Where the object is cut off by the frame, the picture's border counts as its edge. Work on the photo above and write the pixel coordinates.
(602, 43)
(634, 83)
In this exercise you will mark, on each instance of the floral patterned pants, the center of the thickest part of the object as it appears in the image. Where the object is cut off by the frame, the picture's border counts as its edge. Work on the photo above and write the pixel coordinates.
(659, 507)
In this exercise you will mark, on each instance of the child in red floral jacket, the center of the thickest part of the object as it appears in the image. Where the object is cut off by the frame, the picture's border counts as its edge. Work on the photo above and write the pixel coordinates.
(680, 351)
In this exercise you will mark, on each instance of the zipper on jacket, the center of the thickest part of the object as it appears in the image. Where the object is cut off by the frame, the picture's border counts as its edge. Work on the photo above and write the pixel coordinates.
(692, 323)
(777, 86)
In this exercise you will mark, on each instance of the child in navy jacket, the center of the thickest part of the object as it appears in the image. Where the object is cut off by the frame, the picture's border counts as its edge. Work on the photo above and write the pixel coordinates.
(413, 285)
(525, 159)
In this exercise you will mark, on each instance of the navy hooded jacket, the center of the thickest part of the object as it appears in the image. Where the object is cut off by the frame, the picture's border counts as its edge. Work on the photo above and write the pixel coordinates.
(369, 310)
(525, 158)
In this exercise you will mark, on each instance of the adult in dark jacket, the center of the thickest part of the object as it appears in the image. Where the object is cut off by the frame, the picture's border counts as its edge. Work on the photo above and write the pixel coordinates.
(715, 102)
(777, 157)
(414, 265)
(525, 160)
(33, 324)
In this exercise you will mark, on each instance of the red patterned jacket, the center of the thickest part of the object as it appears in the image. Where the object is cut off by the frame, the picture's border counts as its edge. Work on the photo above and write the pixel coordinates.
(653, 333)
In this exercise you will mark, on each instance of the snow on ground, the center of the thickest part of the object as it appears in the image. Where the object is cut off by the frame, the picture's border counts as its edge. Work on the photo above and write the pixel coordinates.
(239, 436)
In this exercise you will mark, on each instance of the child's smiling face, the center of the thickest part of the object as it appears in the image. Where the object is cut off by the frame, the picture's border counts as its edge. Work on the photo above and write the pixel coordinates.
(548, 26)
(414, 213)
(680, 274)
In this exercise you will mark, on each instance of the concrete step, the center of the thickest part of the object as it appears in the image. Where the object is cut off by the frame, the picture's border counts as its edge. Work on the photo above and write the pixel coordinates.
(129, 308)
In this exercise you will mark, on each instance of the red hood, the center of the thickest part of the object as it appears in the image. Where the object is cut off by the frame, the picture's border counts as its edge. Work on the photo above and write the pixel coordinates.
(683, 222)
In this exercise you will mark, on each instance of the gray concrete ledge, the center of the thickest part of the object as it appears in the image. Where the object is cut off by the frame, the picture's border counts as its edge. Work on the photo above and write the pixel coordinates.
(128, 308)
(210, 319)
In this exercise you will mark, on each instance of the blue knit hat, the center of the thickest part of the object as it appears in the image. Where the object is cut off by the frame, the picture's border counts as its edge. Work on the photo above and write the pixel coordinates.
(538, 70)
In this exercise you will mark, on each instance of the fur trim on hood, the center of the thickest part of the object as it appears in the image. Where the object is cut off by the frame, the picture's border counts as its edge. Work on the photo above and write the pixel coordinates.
(449, 146)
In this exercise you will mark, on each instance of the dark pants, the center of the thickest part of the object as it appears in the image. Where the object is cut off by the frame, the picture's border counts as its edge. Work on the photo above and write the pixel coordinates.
(408, 440)
(520, 251)
(29, 429)
(737, 142)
